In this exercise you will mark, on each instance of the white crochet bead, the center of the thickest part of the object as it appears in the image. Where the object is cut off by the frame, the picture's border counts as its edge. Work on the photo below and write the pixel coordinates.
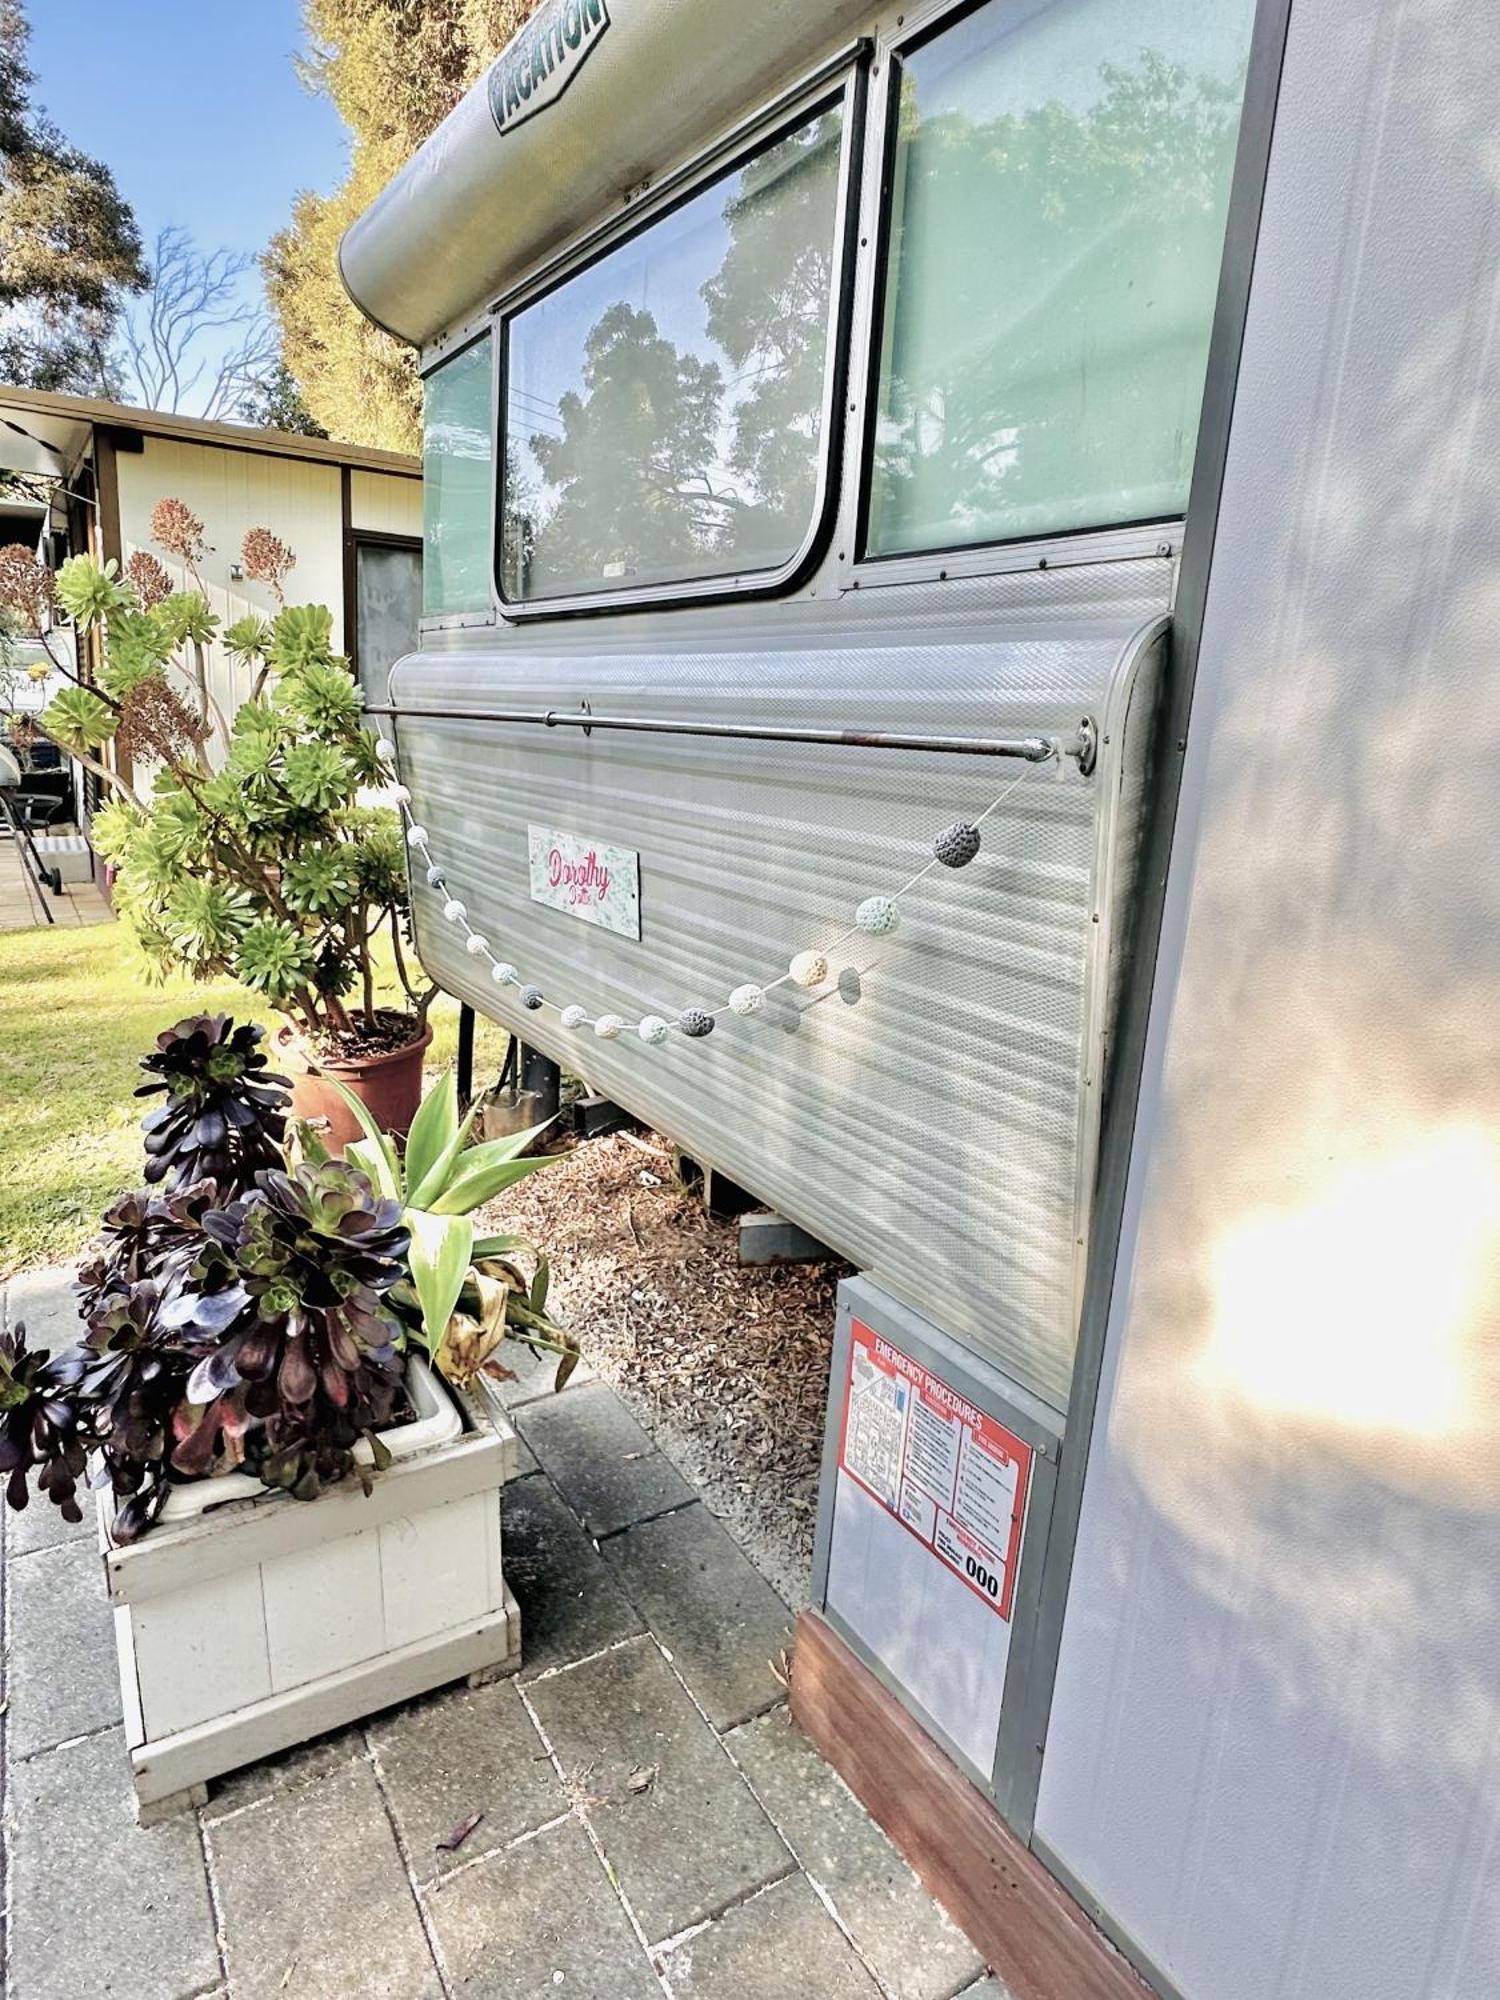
(809, 968)
(574, 1017)
(434, 877)
(400, 795)
(505, 975)
(385, 750)
(877, 916)
(608, 1026)
(476, 946)
(747, 1000)
(653, 1030)
(416, 836)
(454, 910)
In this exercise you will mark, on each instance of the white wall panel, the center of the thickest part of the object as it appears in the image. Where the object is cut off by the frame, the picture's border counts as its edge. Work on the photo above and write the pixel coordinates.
(1274, 1755)
(386, 504)
(230, 491)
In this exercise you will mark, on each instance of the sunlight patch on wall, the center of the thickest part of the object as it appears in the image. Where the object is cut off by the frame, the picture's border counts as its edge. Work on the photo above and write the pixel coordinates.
(1358, 1305)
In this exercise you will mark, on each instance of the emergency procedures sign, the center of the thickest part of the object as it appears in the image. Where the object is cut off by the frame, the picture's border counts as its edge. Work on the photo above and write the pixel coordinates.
(924, 1546)
(951, 1475)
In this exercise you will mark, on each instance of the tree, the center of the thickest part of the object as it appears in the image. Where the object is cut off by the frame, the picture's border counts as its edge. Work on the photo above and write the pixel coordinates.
(394, 70)
(195, 341)
(69, 248)
(275, 403)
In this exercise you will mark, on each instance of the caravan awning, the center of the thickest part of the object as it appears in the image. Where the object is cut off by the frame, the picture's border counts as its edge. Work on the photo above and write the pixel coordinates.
(591, 99)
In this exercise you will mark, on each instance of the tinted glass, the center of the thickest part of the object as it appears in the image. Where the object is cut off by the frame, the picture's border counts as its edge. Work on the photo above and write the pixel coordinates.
(387, 605)
(1060, 184)
(665, 406)
(458, 484)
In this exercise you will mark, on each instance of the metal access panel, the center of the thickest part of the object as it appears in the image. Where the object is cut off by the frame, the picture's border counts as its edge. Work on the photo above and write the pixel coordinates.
(933, 1519)
(931, 1112)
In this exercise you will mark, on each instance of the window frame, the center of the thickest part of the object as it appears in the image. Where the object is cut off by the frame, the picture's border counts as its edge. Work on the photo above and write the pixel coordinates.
(1158, 535)
(842, 85)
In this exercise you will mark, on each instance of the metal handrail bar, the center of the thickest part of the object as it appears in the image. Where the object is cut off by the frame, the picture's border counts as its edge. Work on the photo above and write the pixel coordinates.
(1081, 744)
(34, 874)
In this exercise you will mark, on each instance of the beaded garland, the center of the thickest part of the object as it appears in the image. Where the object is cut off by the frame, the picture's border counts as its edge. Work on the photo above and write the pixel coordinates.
(877, 916)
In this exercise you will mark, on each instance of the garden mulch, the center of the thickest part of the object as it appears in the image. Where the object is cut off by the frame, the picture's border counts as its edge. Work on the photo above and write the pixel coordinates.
(633, 1814)
(727, 1365)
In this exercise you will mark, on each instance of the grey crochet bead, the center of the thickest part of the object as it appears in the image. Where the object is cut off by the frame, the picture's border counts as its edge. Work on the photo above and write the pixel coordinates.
(436, 878)
(694, 1022)
(532, 997)
(957, 845)
(877, 916)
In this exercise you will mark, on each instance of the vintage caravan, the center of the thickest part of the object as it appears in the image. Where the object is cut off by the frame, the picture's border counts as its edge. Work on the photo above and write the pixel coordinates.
(958, 679)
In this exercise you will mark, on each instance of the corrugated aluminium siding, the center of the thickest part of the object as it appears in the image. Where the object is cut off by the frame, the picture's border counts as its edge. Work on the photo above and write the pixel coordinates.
(931, 1116)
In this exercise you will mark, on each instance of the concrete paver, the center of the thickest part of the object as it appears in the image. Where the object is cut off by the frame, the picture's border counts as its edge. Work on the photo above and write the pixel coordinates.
(570, 1603)
(601, 1461)
(674, 1817)
(710, 1607)
(782, 1941)
(99, 1906)
(539, 1920)
(62, 1678)
(914, 1947)
(315, 1899)
(458, 1753)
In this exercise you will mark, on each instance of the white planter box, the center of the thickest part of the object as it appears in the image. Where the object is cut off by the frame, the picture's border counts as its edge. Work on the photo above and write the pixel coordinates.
(247, 1622)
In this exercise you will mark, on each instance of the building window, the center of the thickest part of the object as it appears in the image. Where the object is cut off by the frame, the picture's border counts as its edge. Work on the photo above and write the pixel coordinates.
(458, 429)
(665, 406)
(387, 607)
(1058, 196)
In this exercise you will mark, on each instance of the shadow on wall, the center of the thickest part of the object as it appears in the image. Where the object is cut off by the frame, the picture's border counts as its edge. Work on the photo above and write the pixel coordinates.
(1276, 1745)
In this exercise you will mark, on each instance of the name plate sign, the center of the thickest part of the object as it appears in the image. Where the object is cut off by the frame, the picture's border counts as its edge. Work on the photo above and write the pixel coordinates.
(586, 878)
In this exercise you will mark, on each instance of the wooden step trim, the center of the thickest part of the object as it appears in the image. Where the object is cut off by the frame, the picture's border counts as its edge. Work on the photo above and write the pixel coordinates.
(1017, 1915)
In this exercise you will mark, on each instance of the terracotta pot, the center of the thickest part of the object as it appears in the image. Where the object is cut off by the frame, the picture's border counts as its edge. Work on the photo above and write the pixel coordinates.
(389, 1086)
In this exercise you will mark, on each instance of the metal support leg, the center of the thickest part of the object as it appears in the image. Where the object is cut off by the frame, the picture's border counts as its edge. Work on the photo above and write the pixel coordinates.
(542, 1078)
(465, 1056)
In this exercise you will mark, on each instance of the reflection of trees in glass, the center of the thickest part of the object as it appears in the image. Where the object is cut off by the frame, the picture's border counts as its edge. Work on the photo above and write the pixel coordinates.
(768, 311)
(1052, 282)
(673, 463)
(630, 466)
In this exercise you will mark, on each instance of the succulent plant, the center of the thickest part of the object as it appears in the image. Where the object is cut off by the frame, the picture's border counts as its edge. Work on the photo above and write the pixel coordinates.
(309, 1363)
(225, 1114)
(39, 1426)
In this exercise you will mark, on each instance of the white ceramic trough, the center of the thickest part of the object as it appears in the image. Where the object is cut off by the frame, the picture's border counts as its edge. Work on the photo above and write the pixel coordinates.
(247, 1622)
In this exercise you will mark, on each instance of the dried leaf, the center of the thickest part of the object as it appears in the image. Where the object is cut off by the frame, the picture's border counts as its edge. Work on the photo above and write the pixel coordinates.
(641, 1779)
(451, 1842)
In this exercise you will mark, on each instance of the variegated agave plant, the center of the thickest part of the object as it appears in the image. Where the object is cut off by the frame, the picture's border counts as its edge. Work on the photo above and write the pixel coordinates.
(466, 1291)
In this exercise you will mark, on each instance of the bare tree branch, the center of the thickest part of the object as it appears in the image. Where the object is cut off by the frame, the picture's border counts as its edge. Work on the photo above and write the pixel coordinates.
(167, 355)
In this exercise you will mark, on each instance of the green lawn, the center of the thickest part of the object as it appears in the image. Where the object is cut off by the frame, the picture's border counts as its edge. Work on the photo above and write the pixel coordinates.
(76, 1015)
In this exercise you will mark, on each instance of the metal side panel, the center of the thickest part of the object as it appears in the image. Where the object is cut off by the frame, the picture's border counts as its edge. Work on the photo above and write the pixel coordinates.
(949, 1073)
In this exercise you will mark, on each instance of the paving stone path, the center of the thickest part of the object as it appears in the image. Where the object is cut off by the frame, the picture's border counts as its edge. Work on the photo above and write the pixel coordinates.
(653, 1823)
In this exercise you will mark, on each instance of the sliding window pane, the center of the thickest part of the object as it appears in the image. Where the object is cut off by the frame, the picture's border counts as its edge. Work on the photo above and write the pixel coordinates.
(1060, 186)
(458, 484)
(664, 407)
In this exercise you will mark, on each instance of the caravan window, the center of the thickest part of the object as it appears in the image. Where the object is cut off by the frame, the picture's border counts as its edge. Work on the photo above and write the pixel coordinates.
(1057, 206)
(665, 405)
(457, 483)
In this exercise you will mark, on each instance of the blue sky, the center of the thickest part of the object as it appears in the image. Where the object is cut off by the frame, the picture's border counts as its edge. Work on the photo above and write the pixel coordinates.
(193, 104)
